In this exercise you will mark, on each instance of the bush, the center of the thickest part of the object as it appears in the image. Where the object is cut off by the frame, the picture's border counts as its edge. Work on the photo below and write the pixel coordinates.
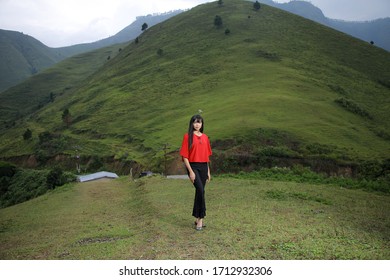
(352, 107)
(256, 5)
(7, 169)
(54, 178)
(218, 21)
(305, 175)
(27, 134)
(26, 184)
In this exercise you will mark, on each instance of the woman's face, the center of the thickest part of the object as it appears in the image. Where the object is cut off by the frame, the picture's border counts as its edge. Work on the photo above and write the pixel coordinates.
(197, 125)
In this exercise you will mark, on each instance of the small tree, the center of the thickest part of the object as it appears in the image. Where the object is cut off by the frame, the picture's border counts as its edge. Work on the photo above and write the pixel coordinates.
(220, 2)
(160, 52)
(227, 31)
(54, 178)
(144, 26)
(67, 117)
(218, 21)
(27, 134)
(256, 5)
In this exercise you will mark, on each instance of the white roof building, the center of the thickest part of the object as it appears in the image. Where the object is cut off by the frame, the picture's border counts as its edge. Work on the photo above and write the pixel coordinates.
(97, 176)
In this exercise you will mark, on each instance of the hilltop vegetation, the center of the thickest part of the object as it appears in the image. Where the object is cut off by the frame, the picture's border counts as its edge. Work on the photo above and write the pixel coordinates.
(275, 88)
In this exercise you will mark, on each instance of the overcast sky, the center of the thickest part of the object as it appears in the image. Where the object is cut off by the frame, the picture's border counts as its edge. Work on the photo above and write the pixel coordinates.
(58, 23)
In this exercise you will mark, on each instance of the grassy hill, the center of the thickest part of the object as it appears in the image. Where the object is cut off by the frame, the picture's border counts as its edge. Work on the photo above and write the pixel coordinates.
(276, 86)
(375, 30)
(22, 56)
(151, 219)
(42, 89)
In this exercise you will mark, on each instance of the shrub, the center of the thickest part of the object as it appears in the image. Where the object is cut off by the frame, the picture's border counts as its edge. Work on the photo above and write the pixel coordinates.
(352, 107)
(256, 5)
(27, 134)
(218, 21)
(26, 184)
(54, 178)
(7, 169)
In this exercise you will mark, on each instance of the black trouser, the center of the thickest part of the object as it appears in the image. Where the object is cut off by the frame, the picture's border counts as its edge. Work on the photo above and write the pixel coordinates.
(201, 174)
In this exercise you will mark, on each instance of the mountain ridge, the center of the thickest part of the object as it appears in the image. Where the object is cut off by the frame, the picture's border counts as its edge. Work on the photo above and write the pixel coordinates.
(376, 31)
(13, 72)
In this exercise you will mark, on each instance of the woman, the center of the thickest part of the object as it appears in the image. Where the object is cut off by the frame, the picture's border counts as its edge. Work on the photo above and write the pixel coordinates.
(195, 151)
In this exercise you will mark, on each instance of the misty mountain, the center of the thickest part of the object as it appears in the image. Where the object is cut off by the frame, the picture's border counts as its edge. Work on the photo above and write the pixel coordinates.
(377, 31)
(129, 33)
(22, 56)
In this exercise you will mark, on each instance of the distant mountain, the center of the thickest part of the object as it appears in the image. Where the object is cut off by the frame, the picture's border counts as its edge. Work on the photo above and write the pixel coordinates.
(377, 31)
(22, 56)
(127, 34)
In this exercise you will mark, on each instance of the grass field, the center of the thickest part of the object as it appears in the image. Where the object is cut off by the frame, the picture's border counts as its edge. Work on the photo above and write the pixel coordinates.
(151, 219)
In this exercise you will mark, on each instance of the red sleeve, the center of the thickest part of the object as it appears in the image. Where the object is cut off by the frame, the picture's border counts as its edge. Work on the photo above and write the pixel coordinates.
(209, 147)
(184, 147)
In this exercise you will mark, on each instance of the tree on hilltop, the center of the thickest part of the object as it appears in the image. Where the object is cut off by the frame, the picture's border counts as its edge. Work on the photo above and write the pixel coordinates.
(256, 5)
(67, 117)
(27, 134)
(144, 26)
(218, 21)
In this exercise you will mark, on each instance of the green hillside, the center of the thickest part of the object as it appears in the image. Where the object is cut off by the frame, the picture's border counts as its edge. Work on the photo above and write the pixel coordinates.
(42, 89)
(22, 56)
(276, 85)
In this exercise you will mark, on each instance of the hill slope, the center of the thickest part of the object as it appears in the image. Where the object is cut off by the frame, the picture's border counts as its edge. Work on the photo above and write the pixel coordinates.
(325, 93)
(21, 56)
(377, 30)
(43, 88)
(127, 34)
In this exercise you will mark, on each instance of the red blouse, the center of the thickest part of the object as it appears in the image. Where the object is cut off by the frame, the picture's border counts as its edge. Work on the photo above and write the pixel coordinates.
(200, 149)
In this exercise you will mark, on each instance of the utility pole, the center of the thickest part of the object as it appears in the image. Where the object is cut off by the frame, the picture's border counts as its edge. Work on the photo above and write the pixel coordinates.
(77, 156)
(165, 148)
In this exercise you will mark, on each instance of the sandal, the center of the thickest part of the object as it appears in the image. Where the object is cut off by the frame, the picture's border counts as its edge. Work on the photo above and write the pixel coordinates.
(195, 223)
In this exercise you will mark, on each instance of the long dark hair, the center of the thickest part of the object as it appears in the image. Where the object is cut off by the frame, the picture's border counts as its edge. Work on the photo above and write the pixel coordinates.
(191, 128)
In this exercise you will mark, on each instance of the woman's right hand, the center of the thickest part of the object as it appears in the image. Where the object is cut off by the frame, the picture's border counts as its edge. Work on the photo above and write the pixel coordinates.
(192, 176)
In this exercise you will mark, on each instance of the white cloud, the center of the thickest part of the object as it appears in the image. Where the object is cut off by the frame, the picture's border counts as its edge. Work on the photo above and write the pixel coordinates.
(58, 23)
